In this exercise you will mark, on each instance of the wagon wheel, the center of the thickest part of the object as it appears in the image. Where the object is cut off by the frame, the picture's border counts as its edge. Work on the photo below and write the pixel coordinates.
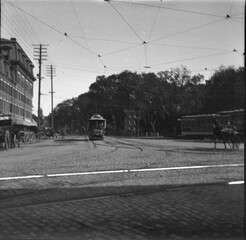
(40, 135)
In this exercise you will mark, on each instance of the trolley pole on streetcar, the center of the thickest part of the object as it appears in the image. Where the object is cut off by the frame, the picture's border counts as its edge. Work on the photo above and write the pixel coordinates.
(51, 72)
(40, 54)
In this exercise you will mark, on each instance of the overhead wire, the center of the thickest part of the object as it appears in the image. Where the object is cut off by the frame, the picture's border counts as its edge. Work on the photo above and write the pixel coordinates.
(78, 69)
(83, 33)
(238, 21)
(11, 23)
(14, 21)
(145, 44)
(155, 18)
(24, 29)
(58, 31)
(27, 27)
(125, 21)
(190, 47)
(193, 58)
(20, 38)
(187, 30)
(186, 59)
(32, 28)
(122, 50)
(53, 28)
(146, 57)
(169, 8)
(103, 39)
(100, 56)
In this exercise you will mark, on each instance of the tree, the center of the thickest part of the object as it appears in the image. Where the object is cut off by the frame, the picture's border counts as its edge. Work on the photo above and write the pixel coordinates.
(225, 89)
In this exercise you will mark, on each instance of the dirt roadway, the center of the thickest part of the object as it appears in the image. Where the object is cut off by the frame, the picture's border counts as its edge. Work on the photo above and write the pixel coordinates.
(76, 154)
(121, 189)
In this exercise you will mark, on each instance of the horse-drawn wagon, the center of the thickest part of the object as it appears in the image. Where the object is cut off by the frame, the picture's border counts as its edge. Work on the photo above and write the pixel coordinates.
(13, 131)
(229, 126)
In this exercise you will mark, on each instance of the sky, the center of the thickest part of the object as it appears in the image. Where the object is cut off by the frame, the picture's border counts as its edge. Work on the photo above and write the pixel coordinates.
(90, 38)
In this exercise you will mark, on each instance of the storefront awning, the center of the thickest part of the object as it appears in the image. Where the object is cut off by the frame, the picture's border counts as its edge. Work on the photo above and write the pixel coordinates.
(8, 119)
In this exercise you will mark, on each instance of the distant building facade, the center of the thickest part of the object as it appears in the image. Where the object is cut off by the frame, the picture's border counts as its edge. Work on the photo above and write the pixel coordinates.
(16, 83)
(130, 122)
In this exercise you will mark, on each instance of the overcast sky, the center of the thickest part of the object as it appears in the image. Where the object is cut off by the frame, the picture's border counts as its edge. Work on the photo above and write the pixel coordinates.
(88, 38)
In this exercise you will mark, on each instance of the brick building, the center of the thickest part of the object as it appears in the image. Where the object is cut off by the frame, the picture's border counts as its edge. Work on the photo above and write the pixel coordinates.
(16, 84)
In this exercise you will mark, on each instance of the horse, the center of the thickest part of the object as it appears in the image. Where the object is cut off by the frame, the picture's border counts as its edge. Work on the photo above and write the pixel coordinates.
(226, 134)
(16, 136)
(4, 139)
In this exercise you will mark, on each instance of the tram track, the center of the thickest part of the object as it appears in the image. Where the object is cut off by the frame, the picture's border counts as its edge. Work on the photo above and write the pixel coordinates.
(122, 144)
(40, 197)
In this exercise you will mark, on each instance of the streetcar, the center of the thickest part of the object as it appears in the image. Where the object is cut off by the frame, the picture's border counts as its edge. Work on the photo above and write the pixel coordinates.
(200, 126)
(96, 127)
(197, 126)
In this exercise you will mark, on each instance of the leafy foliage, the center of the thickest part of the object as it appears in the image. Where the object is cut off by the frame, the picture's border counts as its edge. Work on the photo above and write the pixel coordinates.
(157, 100)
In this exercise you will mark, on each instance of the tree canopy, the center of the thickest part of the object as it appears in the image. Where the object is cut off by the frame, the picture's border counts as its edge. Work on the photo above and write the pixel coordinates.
(157, 100)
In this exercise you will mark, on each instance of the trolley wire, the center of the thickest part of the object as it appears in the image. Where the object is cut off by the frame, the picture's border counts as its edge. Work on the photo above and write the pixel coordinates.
(170, 8)
(187, 30)
(193, 58)
(125, 21)
(142, 41)
(83, 33)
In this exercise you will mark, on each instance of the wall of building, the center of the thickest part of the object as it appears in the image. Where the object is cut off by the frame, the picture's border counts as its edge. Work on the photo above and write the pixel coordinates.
(16, 80)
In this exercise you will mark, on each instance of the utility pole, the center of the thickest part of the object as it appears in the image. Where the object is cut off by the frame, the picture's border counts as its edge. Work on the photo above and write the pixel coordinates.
(0, 25)
(51, 72)
(40, 54)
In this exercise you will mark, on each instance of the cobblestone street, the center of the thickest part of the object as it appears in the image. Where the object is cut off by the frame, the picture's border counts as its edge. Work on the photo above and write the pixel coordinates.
(170, 204)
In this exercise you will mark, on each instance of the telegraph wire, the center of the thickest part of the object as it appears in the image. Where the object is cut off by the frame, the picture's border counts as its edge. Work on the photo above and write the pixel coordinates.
(33, 30)
(58, 31)
(23, 31)
(19, 38)
(65, 65)
(17, 32)
(27, 26)
(54, 29)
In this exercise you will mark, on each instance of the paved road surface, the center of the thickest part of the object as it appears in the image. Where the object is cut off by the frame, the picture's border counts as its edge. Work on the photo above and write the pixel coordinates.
(173, 204)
